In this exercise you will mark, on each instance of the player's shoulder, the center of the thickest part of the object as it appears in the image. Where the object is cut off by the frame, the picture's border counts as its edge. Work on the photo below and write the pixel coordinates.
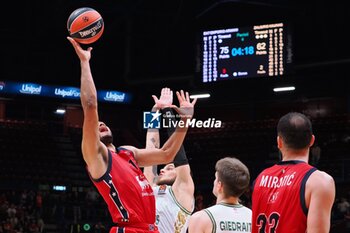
(322, 175)
(321, 180)
(247, 209)
(200, 216)
(320, 187)
(200, 221)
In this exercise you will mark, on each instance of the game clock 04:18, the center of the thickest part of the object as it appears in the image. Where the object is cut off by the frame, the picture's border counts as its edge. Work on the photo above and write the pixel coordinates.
(242, 51)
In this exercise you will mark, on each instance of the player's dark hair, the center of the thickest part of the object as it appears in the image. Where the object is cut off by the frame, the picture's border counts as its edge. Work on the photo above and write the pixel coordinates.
(295, 129)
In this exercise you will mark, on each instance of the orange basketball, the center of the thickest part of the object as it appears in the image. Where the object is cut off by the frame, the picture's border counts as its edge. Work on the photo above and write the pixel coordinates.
(85, 25)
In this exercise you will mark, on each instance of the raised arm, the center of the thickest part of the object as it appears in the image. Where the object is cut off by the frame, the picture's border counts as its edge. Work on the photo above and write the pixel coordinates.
(152, 137)
(166, 154)
(94, 151)
(183, 186)
(320, 194)
(152, 141)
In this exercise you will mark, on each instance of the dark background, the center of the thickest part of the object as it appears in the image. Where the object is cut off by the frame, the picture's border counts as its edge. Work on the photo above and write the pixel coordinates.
(147, 45)
(150, 44)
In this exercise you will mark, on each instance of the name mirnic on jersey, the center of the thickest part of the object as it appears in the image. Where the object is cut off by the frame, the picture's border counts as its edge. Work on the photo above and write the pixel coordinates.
(276, 182)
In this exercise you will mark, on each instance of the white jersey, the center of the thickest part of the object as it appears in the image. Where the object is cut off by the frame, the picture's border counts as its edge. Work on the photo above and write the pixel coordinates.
(171, 216)
(230, 218)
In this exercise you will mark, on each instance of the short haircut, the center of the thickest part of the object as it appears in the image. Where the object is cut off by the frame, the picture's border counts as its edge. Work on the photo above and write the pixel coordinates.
(295, 129)
(234, 176)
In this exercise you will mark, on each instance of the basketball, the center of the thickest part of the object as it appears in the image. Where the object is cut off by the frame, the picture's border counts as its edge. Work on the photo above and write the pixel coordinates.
(85, 25)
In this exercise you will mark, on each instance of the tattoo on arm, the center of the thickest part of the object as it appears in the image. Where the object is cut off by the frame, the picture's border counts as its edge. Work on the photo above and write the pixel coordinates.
(154, 167)
(154, 142)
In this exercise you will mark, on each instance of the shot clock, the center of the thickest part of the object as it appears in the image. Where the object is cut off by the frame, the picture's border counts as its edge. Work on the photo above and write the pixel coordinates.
(242, 52)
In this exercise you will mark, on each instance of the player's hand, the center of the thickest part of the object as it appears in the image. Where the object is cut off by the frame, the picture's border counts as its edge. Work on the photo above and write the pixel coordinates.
(186, 108)
(84, 55)
(165, 100)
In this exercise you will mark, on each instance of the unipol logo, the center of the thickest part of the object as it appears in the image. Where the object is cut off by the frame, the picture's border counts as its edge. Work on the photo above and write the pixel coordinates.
(114, 96)
(30, 89)
(68, 93)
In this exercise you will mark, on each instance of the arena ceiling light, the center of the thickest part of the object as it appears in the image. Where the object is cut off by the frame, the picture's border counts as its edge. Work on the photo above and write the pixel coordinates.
(280, 89)
(60, 111)
(200, 96)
